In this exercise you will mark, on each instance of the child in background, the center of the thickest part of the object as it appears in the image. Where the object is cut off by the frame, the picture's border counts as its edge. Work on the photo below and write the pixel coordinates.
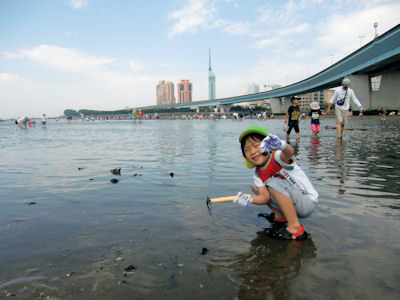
(140, 115)
(281, 183)
(292, 117)
(134, 115)
(315, 113)
(44, 121)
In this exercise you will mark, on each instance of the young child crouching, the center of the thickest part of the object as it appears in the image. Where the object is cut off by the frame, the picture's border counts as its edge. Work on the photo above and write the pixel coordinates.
(281, 183)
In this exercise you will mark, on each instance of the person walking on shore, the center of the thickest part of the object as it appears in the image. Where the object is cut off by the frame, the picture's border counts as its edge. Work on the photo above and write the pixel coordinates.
(341, 98)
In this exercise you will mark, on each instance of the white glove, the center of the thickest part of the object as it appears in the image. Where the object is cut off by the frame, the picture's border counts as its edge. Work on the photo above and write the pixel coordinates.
(243, 199)
(272, 143)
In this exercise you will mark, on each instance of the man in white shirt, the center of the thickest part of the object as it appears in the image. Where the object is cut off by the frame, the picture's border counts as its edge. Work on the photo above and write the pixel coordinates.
(341, 97)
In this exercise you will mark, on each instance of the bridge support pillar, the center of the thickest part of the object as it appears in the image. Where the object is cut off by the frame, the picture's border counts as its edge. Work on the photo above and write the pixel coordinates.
(388, 95)
(361, 85)
(279, 105)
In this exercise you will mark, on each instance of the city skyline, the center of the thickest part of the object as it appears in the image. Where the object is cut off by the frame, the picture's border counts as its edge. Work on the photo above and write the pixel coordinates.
(57, 55)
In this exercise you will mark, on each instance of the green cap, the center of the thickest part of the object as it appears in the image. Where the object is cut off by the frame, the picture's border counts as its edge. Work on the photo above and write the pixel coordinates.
(252, 129)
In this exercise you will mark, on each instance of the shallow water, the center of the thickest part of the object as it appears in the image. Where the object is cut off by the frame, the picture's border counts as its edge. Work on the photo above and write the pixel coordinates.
(83, 230)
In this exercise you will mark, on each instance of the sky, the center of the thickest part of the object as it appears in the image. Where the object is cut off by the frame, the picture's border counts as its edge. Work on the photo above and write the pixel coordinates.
(110, 55)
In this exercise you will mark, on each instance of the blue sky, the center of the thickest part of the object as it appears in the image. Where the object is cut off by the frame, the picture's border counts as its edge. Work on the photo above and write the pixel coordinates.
(108, 55)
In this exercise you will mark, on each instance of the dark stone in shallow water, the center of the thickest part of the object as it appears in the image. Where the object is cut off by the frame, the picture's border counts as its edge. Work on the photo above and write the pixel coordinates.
(114, 180)
(116, 171)
(130, 268)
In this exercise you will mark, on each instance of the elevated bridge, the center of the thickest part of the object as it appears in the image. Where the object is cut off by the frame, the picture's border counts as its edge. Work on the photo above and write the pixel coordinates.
(379, 57)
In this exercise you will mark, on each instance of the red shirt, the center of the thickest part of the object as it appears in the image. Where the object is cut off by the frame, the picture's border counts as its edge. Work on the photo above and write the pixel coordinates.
(270, 168)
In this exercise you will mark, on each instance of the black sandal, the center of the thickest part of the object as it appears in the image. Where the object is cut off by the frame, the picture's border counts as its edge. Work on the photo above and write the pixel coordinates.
(286, 235)
(276, 223)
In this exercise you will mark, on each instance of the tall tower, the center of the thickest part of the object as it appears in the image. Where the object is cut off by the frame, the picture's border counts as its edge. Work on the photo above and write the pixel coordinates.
(211, 79)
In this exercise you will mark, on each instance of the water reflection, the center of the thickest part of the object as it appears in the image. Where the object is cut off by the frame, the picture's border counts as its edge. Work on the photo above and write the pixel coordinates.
(340, 164)
(212, 150)
(295, 145)
(314, 153)
(269, 267)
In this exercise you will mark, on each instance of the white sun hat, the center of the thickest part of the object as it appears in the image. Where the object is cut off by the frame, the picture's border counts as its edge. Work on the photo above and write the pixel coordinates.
(314, 105)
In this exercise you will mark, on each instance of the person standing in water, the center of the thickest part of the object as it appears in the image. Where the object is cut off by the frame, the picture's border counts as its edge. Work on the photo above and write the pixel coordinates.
(140, 115)
(314, 114)
(341, 98)
(44, 121)
(293, 115)
(134, 115)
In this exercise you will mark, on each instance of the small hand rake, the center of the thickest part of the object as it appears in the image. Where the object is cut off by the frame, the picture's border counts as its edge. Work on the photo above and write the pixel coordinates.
(216, 200)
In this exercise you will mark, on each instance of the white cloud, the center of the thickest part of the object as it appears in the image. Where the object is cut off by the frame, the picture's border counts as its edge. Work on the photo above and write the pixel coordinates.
(345, 29)
(103, 87)
(135, 65)
(7, 77)
(263, 43)
(66, 59)
(237, 28)
(78, 4)
(296, 29)
(11, 55)
(335, 37)
(198, 13)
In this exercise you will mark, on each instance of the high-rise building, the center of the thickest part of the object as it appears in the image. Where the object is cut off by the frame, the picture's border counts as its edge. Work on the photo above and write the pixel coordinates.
(211, 79)
(328, 94)
(184, 90)
(319, 96)
(165, 93)
(253, 88)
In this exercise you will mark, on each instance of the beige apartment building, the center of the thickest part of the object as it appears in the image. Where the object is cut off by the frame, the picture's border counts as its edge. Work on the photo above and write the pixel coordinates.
(319, 96)
(165, 93)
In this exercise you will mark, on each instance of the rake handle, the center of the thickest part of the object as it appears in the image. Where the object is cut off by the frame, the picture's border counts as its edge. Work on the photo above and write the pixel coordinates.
(223, 199)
